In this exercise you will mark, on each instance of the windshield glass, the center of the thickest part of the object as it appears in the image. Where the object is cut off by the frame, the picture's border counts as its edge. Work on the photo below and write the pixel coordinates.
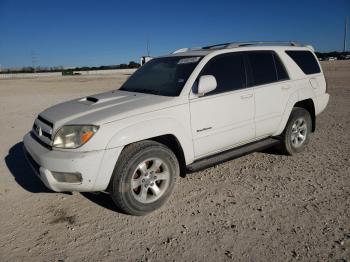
(162, 76)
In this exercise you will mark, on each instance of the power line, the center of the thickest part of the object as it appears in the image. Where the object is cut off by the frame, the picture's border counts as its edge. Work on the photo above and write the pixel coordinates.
(34, 60)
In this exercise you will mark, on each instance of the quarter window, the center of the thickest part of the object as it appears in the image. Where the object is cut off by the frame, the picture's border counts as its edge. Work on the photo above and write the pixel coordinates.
(229, 71)
(306, 61)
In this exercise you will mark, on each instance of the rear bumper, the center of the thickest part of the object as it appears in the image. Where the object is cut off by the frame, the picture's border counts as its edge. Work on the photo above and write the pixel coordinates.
(95, 167)
(322, 102)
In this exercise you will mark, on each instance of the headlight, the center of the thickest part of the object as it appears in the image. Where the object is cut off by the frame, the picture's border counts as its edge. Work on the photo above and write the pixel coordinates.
(73, 136)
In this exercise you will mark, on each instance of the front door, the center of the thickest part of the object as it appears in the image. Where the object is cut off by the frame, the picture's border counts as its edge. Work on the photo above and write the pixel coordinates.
(224, 117)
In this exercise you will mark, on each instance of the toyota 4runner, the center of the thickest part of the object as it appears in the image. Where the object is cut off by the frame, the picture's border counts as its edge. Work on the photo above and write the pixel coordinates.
(184, 111)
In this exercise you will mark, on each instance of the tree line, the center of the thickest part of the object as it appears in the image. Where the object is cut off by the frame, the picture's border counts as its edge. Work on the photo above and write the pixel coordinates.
(40, 69)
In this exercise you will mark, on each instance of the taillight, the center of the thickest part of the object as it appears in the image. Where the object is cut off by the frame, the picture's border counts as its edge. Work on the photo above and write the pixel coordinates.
(326, 83)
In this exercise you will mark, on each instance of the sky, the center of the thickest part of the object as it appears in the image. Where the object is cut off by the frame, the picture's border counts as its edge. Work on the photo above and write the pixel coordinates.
(93, 33)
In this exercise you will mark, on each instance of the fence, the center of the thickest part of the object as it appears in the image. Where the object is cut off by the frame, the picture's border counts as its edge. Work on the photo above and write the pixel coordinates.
(59, 74)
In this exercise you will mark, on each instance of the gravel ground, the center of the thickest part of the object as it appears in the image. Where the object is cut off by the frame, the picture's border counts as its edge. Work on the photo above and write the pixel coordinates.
(260, 207)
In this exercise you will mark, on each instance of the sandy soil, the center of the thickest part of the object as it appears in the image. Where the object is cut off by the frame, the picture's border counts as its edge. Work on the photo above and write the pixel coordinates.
(260, 207)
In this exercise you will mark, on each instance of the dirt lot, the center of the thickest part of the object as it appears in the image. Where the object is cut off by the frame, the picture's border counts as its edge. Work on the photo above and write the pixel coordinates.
(260, 207)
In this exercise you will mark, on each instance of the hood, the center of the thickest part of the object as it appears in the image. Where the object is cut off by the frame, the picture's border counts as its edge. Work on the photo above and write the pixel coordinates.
(106, 107)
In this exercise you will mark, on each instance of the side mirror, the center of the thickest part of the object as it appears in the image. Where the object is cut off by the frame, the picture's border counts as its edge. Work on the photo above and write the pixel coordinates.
(206, 84)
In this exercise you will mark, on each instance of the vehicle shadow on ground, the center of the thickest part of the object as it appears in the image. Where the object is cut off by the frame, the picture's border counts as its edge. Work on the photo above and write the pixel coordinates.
(102, 199)
(22, 172)
(24, 175)
(271, 151)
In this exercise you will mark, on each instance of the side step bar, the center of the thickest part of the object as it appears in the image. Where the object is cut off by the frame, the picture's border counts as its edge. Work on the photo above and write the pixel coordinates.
(206, 162)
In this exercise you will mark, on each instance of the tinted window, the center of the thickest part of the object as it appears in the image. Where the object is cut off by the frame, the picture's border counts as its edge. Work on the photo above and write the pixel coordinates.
(262, 68)
(280, 69)
(162, 76)
(229, 72)
(306, 61)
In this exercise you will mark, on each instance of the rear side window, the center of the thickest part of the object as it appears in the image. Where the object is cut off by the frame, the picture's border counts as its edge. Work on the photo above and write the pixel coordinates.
(229, 72)
(263, 68)
(306, 61)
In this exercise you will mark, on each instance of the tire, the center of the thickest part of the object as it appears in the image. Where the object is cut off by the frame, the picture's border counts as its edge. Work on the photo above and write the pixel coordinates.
(296, 134)
(144, 177)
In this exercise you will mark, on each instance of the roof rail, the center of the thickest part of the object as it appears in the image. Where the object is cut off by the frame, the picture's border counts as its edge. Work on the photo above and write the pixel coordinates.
(257, 43)
(239, 44)
(186, 49)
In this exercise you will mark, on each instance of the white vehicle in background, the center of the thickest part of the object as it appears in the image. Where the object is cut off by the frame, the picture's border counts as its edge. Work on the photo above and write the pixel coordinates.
(184, 111)
(145, 59)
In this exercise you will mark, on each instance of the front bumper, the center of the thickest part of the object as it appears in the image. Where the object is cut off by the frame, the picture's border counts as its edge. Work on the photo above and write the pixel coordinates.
(96, 167)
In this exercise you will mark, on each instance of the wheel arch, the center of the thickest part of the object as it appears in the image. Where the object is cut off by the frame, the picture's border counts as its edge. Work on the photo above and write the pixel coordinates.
(308, 105)
(170, 141)
(164, 130)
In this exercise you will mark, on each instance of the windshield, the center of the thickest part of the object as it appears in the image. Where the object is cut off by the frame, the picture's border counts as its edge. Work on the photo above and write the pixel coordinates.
(162, 76)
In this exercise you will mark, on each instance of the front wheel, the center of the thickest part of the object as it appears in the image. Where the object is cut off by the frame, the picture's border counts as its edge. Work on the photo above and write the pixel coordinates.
(297, 132)
(144, 177)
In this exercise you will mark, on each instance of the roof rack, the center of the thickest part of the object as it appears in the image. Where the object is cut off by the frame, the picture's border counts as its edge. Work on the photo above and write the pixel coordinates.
(239, 44)
(262, 43)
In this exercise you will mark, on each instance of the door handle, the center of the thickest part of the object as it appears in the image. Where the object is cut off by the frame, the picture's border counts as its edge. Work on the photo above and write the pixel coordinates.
(285, 87)
(246, 96)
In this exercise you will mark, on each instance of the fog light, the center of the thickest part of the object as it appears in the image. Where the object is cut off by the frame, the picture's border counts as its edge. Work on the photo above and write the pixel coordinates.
(67, 177)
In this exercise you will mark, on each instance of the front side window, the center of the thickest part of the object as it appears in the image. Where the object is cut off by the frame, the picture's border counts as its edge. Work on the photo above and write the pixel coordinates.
(162, 76)
(229, 71)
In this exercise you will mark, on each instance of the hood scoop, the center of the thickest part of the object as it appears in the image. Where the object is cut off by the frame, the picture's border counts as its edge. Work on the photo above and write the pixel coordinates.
(92, 99)
(89, 100)
(100, 99)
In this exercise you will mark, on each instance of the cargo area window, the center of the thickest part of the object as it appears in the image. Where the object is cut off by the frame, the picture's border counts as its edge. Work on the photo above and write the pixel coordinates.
(306, 61)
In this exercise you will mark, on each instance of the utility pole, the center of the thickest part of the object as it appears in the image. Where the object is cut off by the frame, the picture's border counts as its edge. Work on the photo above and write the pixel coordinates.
(148, 48)
(345, 33)
(34, 60)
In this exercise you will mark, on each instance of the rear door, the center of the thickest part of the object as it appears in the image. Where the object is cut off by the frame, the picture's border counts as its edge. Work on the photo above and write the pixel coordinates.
(224, 117)
(269, 78)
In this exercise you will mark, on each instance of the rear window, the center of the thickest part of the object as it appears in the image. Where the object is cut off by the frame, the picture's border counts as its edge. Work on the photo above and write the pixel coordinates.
(306, 61)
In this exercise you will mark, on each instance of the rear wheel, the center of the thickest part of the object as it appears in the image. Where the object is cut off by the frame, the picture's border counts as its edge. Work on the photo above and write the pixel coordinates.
(296, 134)
(144, 177)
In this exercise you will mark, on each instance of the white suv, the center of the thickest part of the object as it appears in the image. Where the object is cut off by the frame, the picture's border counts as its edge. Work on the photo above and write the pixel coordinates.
(184, 111)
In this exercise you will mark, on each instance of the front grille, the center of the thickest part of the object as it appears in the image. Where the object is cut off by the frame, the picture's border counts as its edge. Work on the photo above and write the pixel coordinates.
(37, 139)
(46, 134)
(43, 131)
(45, 121)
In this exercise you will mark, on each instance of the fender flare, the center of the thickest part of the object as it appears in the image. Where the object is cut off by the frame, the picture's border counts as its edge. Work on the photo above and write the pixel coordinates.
(152, 128)
(294, 98)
